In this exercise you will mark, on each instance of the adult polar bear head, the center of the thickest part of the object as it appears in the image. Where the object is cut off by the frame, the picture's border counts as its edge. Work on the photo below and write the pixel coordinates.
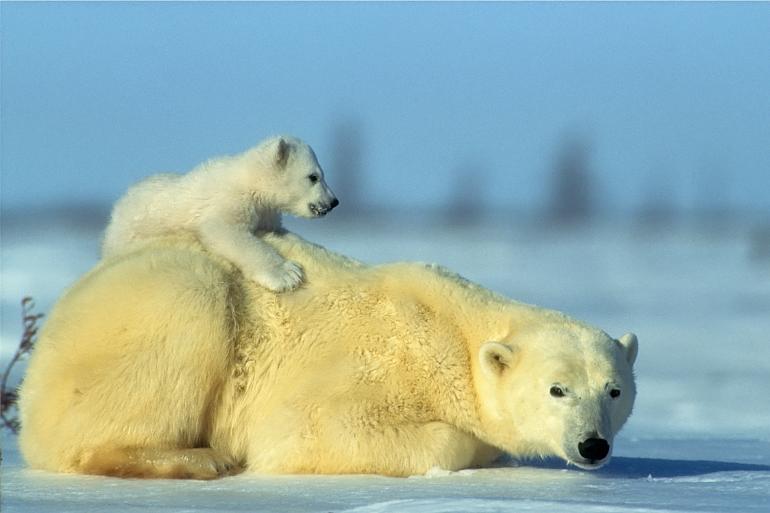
(166, 362)
(574, 386)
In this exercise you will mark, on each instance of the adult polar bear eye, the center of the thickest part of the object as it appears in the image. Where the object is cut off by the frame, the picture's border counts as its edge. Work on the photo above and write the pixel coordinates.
(615, 393)
(557, 391)
(313, 178)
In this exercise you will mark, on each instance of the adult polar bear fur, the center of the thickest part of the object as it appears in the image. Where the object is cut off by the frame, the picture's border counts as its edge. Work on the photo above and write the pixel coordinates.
(167, 362)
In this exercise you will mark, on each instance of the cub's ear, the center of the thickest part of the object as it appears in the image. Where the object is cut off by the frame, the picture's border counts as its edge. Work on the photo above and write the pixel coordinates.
(495, 358)
(630, 346)
(282, 153)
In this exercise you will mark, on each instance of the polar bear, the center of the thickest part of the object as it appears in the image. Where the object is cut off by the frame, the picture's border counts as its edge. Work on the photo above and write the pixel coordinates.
(230, 203)
(167, 362)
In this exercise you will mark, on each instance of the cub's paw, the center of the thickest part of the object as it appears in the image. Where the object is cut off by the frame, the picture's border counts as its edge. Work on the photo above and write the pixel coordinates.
(287, 276)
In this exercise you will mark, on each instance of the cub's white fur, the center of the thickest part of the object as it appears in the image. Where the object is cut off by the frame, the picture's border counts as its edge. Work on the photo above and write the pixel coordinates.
(229, 203)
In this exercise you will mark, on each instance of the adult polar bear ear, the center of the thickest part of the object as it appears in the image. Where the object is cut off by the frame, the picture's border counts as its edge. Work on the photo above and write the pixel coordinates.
(282, 153)
(630, 346)
(495, 359)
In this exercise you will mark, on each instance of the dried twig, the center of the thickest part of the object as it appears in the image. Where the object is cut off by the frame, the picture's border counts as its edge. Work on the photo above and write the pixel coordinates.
(8, 397)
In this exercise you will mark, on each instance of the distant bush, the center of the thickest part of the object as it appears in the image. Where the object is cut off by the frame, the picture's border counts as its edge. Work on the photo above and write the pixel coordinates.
(9, 395)
(573, 191)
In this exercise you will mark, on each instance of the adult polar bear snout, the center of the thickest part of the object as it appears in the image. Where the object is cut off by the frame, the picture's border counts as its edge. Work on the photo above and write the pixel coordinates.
(560, 401)
(593, 449)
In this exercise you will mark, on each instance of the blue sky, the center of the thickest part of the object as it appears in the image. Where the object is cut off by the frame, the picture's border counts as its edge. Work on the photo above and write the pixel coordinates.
(672, 98)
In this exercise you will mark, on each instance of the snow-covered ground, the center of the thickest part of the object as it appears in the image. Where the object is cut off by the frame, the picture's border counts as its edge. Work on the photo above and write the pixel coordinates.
(651, 475)
(699, 439)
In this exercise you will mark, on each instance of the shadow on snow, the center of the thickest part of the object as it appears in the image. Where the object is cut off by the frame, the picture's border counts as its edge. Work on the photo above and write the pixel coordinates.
(627, 467)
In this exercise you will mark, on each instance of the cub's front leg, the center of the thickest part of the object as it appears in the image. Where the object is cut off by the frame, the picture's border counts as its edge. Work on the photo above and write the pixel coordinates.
(257, 260)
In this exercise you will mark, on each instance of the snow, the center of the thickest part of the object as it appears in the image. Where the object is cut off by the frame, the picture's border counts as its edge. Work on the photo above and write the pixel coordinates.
(699, 438)
(737, 480)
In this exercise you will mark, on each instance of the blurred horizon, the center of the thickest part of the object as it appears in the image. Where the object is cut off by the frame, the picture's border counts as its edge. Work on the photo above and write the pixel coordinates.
(566, 112)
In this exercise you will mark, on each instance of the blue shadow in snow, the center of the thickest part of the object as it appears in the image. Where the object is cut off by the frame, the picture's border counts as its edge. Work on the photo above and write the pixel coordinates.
(642, 467)
(626, 467)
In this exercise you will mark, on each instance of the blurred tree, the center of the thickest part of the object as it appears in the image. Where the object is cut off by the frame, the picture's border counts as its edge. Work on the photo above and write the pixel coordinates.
(712, 194)
(347, 166)
(572, 188)
(657, 210)
(467, 198)
(759, 243)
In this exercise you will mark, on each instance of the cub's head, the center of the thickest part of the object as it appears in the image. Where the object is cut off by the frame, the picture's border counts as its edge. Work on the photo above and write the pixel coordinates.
(562, 391)
(300, 188)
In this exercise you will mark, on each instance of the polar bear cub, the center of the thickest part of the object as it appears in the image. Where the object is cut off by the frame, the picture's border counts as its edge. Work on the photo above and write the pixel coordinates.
(229, 203)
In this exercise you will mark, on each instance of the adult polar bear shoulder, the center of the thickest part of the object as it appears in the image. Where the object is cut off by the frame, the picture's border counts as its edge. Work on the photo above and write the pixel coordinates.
(167, 362)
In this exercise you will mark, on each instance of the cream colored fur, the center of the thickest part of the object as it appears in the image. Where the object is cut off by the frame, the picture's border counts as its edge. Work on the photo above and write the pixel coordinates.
(167, 362)
(228, 203)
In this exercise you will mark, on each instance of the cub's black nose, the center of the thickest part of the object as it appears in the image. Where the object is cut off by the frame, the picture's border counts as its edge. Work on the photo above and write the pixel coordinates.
(594, 449)
(334, 203)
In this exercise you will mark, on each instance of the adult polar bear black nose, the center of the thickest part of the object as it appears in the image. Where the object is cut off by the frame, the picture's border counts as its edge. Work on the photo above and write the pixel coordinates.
(594, 449)
(334, 203)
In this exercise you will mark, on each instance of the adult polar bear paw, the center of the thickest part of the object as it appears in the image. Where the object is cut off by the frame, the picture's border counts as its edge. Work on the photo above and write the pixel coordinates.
(200, 463)
(393, 369)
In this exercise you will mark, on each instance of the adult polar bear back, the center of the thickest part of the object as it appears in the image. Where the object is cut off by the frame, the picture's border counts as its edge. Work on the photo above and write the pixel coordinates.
(167, 362)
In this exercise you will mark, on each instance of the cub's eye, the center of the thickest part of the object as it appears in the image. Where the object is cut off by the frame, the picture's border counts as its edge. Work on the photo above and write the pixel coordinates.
(557, 391)
(614, 393)
(313, 178)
